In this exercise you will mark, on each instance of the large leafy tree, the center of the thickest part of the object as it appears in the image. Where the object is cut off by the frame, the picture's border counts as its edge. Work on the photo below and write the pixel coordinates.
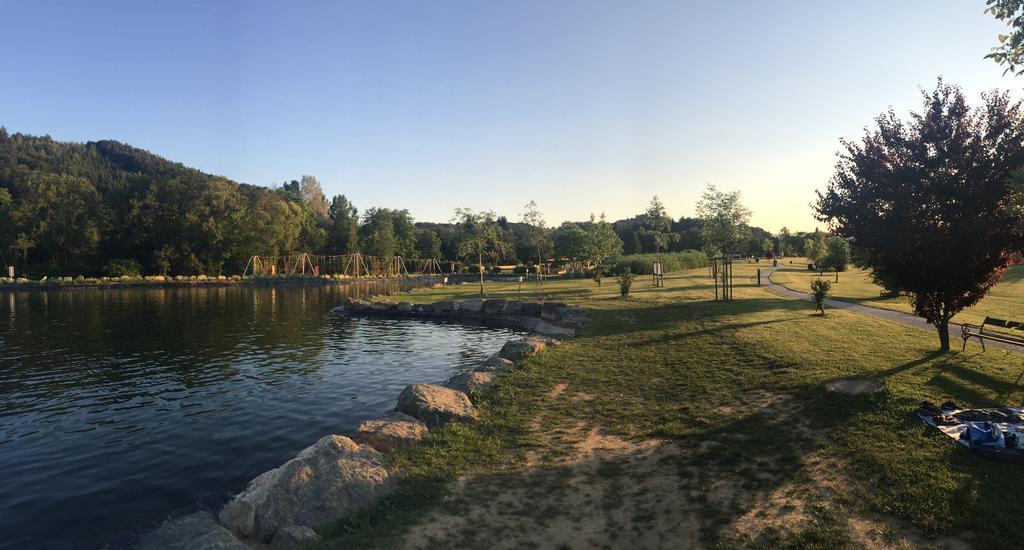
(602, 241)
(927, 201)
(1010, 51)
(343, 227)
(428, 244)
(313, 195)
(724, 221)
(480, 238)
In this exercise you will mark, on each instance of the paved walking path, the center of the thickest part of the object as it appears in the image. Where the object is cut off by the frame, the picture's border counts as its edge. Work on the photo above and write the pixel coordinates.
(955, 331)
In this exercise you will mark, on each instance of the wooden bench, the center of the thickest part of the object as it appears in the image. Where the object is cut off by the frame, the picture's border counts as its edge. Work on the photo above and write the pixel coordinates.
(978, 331)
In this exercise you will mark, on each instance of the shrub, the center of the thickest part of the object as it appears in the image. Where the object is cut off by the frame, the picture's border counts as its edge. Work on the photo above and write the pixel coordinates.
(625, 279)
(496, 269)
(819, 290)
(519, 269)
(122, 268)
(642, 264)
(473, 268)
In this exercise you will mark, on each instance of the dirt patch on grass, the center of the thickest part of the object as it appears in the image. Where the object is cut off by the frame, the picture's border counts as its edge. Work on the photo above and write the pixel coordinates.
(612, 493)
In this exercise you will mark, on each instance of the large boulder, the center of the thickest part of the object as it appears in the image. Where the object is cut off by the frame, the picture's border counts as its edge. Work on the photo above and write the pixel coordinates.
(445, 306)
(338, 311)
(515, 350)
(382, 306)
(404, 307)
(327, 481)
(436, 405)
(293, 537)
(551, 311)
(198, 531)
(471, 381)
(472, 305)
(496, 363)
(492, 307)
(391, 432)
(355, 304)
(545, 328)
(513, 307)
(531, 309)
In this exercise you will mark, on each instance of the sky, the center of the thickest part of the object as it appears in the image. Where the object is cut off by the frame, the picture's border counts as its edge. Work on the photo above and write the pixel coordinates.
(583, 106)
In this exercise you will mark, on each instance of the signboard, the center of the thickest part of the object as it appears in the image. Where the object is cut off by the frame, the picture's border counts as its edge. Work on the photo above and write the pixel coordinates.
(659, 274)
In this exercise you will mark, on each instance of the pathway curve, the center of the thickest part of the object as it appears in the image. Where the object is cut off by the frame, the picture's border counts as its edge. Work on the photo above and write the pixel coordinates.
(955, 331)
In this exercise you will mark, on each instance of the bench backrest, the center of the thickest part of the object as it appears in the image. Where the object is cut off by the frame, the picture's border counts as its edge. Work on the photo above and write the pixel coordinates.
(1002, 323)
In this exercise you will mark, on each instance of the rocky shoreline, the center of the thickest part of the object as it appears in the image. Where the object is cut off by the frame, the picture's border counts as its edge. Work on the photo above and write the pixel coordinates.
(340, 475)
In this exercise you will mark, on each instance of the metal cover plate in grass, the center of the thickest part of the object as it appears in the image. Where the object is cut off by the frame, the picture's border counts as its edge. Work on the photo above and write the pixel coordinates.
(854, 386)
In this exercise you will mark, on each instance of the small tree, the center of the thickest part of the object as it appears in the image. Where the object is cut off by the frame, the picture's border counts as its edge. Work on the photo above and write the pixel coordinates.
(725, 219)
(836, 256)
(625, 280)
(535, 235)
(928, 203)
(819, 291)
(480, 238)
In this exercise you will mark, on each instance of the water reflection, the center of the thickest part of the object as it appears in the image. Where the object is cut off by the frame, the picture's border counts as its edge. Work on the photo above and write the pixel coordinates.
(119, 406)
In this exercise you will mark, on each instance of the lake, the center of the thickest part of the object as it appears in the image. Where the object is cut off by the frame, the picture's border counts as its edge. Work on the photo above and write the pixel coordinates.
(118, 407)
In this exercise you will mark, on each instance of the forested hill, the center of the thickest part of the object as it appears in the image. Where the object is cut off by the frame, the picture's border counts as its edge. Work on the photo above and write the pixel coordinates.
(69, 208)
(106, 208)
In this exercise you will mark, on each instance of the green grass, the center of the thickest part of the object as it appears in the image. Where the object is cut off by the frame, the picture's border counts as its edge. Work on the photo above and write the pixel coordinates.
(1004, 301)
(738, 388)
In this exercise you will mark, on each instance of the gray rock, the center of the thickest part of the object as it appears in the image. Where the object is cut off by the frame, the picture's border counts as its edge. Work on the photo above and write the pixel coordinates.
(496, 363)
(513, 307)
(338, 311)
(404, 307)
(445, 306)
(472, 305)
(198, 531)
(551, 311)
(515, 350)
(492, 307)
(382, 306)
(471, 381)
(531, 309)
(391, 432)
(545, 328)
(325, 482)
(293, 537)
(422, 309)
(357, 305)
(436, 405)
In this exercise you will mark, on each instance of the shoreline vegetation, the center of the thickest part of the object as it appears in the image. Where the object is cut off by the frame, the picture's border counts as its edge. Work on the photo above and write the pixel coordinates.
(51, 283)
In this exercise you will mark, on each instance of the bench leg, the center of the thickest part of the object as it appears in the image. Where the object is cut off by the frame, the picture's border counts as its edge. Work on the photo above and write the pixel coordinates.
(965, 344)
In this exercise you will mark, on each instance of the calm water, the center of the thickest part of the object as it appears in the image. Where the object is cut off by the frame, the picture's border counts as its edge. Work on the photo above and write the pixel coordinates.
(120, 406)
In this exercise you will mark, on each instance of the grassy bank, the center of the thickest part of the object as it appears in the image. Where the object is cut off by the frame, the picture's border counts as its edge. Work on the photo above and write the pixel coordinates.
(1005, 301)
(674, 421)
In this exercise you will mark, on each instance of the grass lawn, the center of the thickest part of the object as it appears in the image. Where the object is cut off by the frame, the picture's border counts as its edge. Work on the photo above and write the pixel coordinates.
(674, 421)
(1005, 301)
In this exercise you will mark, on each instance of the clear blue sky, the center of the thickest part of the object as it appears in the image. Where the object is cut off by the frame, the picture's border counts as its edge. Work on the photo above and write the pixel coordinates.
(582, 106)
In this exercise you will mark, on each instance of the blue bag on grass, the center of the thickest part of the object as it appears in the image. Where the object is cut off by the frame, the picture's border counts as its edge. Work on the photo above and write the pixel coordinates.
(985, 434)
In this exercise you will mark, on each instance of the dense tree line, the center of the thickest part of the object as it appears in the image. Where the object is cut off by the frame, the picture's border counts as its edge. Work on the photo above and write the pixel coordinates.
(105, 208)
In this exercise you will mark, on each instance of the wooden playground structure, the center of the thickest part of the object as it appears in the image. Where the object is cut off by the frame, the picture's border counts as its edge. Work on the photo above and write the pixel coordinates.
(342, 266)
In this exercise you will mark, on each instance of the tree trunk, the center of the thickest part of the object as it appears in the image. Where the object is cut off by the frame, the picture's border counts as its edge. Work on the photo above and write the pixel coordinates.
(540, 280)
(481, 259)
(943, 328)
